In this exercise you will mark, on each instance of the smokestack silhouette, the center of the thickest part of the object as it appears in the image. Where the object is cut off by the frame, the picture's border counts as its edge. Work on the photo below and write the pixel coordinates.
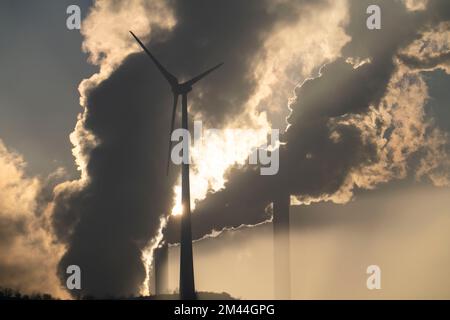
(281, 236)
(282, 259)
(161, 269)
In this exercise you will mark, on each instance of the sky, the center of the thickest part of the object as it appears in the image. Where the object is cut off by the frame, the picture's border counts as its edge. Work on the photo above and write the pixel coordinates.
(42, 65)
(364, 116)
(403, 232)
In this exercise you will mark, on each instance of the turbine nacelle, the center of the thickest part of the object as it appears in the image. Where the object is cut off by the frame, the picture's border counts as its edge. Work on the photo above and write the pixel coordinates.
(183, 88)
(177, 88)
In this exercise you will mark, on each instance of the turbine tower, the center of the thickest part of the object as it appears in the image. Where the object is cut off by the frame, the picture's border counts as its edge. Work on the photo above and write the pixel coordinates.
(187, 285)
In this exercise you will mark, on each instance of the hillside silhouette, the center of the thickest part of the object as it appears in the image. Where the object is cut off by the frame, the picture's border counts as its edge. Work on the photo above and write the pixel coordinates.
(12, 294)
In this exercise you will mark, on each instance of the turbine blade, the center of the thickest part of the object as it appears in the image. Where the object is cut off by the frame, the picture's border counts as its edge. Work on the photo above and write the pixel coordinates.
(202, 75)
(174, 110)
(169, 77)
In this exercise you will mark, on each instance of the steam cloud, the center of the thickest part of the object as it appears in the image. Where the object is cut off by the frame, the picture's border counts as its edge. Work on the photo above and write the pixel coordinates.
(28, 252)
(359, 123)
(109, 216)
(348, 128)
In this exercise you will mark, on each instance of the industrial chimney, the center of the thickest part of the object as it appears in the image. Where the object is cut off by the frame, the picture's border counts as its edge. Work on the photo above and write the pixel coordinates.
(281, 234)
(161, 269)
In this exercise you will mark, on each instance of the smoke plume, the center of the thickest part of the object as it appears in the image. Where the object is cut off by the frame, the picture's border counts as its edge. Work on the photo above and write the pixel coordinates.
(346, 129)
(111, 214)
(28, 252)
(359, 123)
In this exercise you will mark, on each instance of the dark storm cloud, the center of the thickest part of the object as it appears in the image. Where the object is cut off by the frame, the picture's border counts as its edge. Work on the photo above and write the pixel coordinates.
(314, 163)
(107, 222)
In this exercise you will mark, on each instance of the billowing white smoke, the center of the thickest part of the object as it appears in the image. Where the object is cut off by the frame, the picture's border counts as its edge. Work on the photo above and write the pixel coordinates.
(416, 5)
(406, 132)
(294, 50)
(106, 37)
(290, 54)
(431, 51)
(402, 113)
(108, 42)
(28, 253)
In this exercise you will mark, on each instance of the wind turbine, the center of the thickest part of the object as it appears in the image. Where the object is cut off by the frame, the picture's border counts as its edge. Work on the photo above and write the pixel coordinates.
(187, 285)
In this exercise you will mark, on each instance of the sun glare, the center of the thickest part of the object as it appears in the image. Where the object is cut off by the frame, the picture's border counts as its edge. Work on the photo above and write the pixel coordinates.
(177, 209)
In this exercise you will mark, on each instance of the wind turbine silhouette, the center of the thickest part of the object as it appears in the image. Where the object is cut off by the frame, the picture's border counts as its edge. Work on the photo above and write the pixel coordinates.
(187, 284)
